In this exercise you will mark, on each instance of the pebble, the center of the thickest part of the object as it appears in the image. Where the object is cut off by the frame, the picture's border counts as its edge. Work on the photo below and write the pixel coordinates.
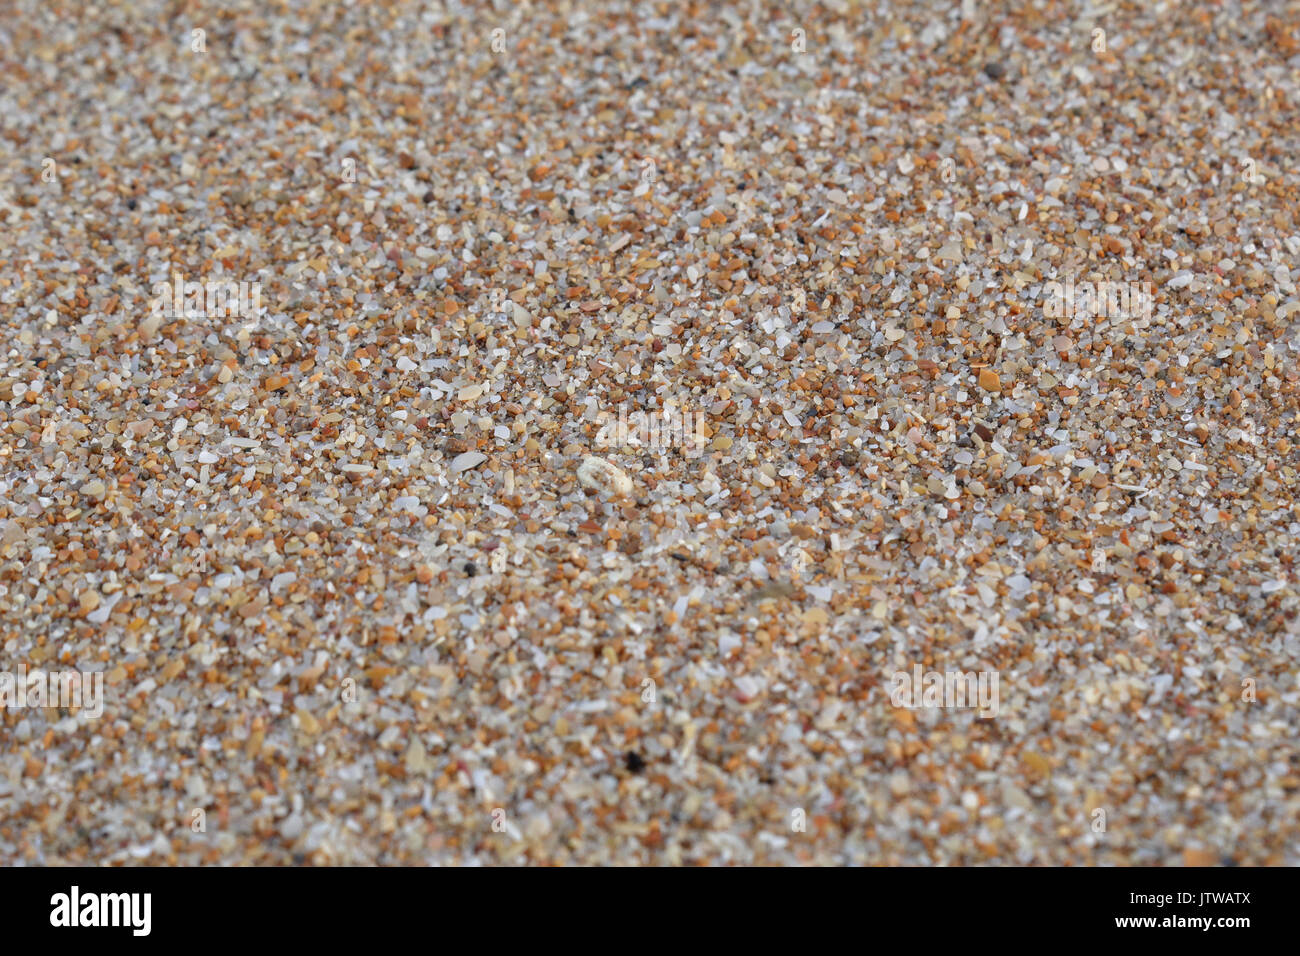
(600, 475)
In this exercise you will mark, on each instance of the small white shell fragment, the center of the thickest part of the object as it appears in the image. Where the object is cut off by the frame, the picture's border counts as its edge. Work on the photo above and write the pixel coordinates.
(149, 327)
(93, 489)
(467, 460)
(601, 475)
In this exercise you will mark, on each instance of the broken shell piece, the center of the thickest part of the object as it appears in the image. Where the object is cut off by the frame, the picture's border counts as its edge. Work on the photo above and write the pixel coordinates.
(601, 475)
(467, 460)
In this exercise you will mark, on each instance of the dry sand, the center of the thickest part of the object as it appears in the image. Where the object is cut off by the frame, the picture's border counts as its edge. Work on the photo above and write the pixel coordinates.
(356, 589)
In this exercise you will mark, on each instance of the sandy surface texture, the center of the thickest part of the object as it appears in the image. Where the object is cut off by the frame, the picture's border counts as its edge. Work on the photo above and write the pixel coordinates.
(564, 433)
